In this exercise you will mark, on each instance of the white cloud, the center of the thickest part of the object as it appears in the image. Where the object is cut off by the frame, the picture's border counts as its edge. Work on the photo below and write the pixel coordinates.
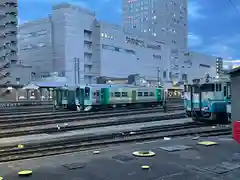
(224, 46)
(21, 21)
(220, 49)
(119, 10)
(52, 2)
(194, 40)
(106, 1)
(194, 11)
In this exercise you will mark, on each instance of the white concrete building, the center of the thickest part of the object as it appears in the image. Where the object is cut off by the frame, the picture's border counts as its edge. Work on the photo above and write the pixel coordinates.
(10, 71)
(160, 20)
(72, 42)
(197, 65)
(8, 39)
(35, 46)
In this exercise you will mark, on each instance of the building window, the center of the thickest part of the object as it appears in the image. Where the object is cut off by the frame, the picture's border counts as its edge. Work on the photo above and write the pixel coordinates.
(164, 74)
(107, 36)
(184, 77)
(204, 65)
(156, 56)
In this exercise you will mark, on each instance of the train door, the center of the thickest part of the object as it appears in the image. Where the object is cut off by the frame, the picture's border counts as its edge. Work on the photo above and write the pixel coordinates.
(229, 101)
(195, 98)
(191, 97)
(64, 94)
(105, 96)
(159, 94)
(58, 97)
(134, 96)
(97, 96)
(79, 96)
(71, 98)
(87, 96)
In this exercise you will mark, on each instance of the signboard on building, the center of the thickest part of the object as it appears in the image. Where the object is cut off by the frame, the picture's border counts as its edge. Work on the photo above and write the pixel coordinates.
(135, 41)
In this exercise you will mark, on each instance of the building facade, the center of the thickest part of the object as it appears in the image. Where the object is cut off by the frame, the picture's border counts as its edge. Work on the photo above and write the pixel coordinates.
(197, 65)
(8, 38)
(72, 42)
(160, 20)
(35, 48)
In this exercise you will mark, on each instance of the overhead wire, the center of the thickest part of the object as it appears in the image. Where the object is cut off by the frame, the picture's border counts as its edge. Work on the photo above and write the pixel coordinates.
(234, 6)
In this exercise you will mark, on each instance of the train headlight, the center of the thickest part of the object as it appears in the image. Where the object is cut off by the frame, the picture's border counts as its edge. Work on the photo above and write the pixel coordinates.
(205, 108)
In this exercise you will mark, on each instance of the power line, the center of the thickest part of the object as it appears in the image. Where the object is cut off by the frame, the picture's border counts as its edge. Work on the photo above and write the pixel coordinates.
(234, 6)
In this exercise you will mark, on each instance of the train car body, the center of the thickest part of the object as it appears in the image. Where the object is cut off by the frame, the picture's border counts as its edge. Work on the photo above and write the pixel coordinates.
(208, 101)
(98, 96)
(71, 97)
(102, 96)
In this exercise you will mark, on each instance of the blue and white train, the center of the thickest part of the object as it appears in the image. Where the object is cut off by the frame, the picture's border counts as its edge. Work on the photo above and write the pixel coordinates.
(208, 101)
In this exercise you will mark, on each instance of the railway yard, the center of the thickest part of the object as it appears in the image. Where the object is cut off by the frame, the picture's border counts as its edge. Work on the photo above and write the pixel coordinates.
(64, 144)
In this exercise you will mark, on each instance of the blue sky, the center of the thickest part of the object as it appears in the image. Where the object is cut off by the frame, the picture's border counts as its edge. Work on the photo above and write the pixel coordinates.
(213, 24)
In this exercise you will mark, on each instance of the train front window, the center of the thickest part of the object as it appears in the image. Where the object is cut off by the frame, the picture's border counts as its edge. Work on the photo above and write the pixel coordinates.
(78, 93)
(87, 93)
(225, 91)
(228, 90)
(207, 87)
(185, 88)
(196, 89)
(65, 94)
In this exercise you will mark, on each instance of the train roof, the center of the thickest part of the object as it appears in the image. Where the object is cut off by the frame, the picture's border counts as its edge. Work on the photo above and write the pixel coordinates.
(47, 84)
(234, 71)
(116, 85)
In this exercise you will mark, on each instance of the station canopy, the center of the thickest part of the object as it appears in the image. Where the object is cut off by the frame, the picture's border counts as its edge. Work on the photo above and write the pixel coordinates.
(30, 87)
(42, 84)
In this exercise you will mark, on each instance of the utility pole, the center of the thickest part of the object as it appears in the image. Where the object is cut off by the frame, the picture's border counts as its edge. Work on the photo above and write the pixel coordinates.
(158, 75)
(76, 70)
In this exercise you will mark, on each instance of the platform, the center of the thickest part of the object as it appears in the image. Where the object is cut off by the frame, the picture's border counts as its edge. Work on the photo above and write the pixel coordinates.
(189, 162)
(41, 138)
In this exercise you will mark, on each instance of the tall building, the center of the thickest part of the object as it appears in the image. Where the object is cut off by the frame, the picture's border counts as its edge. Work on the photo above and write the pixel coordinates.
(72, 42)
(219, 67)
(8, 38)
(161, 20)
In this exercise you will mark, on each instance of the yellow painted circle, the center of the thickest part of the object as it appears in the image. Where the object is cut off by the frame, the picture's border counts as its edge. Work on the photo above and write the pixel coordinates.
(20, 146)
(25, 172)
(145, 167)
(207, 143)
(144, 153)
(1, 178)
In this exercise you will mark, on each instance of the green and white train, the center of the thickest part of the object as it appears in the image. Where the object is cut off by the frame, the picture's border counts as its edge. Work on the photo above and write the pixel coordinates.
(99, 96)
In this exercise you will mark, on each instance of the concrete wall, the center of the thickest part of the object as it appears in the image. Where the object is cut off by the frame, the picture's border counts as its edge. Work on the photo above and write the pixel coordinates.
(120, 58)
(235, 79)
(72, 39)
(19, 74)
(35, 47)
(196, 65)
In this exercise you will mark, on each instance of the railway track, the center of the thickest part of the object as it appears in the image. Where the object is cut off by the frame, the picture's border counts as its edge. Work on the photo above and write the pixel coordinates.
(28, 110)
(51, 112)
(59, 117)
(83, 122)
(82, 143)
